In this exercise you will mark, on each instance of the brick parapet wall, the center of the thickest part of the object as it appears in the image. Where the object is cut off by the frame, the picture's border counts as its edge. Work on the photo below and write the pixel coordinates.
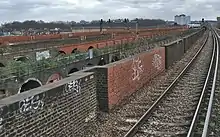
(120, 79)
(54, 110)
(127, 76)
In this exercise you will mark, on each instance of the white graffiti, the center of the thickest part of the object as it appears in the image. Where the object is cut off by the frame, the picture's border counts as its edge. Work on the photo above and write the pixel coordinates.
(137, 68)
(1, 119)
(1, 123)
(73, 86)
(31, 104)
(157, 61)
(91, 116)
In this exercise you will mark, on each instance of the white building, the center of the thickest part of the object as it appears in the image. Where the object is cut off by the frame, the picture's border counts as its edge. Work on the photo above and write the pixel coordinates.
(182, 19)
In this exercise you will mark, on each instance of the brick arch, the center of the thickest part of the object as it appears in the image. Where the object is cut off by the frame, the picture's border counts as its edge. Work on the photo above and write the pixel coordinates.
(54, 77)
(73, 70)
(90, 47)
(22, 58)
(90, 52)
(74, 50)
(30, 83)
(62, 52)
(89, 64)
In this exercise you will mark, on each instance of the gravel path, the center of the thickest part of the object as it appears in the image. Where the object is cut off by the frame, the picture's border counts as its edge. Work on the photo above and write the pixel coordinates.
(107, 124)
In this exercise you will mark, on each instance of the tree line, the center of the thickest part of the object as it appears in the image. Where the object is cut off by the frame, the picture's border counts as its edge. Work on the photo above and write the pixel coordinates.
(16, 25)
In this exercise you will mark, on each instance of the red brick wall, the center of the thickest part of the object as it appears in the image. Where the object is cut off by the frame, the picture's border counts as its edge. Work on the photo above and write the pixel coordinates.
(127, 76)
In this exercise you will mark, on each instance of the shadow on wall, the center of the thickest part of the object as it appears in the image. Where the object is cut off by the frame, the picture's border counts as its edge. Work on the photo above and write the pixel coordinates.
(30, 84)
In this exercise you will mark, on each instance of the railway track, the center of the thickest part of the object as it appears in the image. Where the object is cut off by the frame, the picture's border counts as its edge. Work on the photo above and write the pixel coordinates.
(177, 112)
(122, 118)
(213, 119)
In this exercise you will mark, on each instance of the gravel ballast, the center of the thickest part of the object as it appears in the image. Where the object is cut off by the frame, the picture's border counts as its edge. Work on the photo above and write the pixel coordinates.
(107, 124)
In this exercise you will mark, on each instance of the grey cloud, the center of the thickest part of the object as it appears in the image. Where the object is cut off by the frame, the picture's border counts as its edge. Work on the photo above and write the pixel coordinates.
(95, 9)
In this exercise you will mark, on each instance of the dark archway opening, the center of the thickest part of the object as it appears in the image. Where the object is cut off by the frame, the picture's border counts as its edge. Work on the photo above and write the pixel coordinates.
(51, 81)
(31, 84)
(91, 47)
(89, 64)
(101, 62)
(73, 70)
(74, 50)
(114, 58)
(62, 53)
(2, 65)
(54, 77)
(22, 59)
(2, 93)
(90, 52)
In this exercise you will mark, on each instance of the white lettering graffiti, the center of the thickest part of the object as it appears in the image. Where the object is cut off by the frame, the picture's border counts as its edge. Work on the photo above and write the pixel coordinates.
(73, 86)
(137, 68)
(1, 119)
(157, 61)
(31, 104)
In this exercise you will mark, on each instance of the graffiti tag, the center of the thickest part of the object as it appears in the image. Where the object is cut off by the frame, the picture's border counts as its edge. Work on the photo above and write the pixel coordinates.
(73, 86)
(137, 68)
(31, 104)
(157, 61)
(90, 116)
(1, 120)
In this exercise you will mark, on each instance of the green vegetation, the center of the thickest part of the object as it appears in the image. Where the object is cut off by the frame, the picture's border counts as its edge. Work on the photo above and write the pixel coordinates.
(16, 68)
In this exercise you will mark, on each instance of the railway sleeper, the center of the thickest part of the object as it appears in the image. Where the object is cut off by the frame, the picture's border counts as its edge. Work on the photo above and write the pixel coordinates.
(160, 134)
(187, 123)
(134, 115)
(166, 104)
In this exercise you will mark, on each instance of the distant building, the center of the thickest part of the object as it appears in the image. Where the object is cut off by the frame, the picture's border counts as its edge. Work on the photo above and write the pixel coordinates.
(182, 19)
(218, 19)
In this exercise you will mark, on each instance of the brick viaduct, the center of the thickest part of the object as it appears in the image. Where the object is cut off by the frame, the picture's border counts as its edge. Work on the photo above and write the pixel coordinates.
(63, 108)
(17, 84)
(31, 43)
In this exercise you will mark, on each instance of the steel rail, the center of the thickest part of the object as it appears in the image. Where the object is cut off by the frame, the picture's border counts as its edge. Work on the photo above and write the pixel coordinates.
(209, 110)
(195, 116)
(134, 128)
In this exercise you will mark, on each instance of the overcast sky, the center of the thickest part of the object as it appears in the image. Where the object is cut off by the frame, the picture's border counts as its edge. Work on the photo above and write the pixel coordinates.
(67, 10)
